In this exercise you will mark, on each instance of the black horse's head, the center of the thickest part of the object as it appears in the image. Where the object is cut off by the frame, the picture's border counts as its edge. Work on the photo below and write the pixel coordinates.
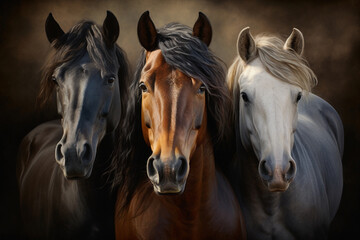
(85, 73)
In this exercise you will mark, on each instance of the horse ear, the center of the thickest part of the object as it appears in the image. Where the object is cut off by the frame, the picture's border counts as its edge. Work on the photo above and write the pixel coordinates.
(202, 29)
(147, 33)
(53, 29)
(295, 41)
(246, 45)
(111, 29)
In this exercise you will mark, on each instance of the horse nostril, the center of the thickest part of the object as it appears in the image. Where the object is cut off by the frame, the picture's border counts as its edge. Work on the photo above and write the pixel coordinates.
(58, 152)
(150, 167)
(182, 168)
(264, 170)
(154, 170)
(290, 173)
(86, 153)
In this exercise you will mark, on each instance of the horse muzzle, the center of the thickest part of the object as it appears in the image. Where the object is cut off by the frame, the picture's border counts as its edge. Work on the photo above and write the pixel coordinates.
(168, 176)
(277, 178)
(75, 160)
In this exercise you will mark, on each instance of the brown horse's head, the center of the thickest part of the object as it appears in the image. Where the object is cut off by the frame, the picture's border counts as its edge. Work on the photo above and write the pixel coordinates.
(173, 110)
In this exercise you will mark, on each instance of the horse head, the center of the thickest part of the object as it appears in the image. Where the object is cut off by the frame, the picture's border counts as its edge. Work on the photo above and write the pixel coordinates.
(173, 110)
(271, 80)
(87, 85)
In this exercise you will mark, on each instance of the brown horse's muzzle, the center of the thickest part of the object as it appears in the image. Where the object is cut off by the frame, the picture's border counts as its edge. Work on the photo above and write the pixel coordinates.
(169, 175)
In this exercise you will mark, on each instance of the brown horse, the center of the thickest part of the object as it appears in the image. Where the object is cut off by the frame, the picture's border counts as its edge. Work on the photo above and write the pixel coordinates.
(181, 105)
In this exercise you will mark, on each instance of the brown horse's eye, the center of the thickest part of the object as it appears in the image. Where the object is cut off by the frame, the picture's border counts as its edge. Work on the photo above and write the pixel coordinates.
(143, 87)
(202, 89)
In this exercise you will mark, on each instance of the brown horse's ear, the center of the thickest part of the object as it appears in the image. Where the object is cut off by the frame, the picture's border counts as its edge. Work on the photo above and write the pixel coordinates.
(202, 29)
(147, 33)
(53, 29)
(111, 29)
(246, 45)
(295, 41)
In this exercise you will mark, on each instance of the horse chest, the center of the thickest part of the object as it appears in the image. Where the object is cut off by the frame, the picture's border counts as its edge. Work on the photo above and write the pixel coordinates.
(157, 222)
(284, 216)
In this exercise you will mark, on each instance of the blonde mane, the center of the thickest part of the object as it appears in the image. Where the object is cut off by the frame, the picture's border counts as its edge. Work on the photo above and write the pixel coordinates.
(285, 65)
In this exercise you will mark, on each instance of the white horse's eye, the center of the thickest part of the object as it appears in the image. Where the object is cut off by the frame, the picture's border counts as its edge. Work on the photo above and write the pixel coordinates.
(53, 78)
(244, 97)
(298, 97)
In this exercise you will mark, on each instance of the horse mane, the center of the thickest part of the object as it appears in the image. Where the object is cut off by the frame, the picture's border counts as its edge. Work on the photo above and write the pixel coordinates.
(190, 55)
(84, 37)
(285, 65)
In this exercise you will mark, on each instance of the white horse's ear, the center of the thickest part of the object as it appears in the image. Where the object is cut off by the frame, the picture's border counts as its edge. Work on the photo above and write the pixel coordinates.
(295, 41)
(246, 45)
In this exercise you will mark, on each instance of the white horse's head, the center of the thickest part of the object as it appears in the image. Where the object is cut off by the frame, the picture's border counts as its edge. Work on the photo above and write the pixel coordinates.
(269, 78)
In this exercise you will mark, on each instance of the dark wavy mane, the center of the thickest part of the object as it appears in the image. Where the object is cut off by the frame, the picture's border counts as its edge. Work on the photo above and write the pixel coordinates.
(84, 37)
(187, 53)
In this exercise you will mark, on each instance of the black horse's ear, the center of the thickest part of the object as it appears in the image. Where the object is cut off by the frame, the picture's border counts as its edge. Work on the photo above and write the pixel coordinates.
(111, 29)
(53, 29)
(147, 33)
(202, 29)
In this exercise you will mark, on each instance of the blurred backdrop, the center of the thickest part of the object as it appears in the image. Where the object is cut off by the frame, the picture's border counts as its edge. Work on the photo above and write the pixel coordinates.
(331, 32)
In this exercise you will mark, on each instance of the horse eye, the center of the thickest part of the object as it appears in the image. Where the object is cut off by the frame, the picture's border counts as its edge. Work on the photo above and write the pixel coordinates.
(104, 114)
(53, 78)
(111, 80)
(298, 97)
(244, 97)
(143, 87)
(202, 89)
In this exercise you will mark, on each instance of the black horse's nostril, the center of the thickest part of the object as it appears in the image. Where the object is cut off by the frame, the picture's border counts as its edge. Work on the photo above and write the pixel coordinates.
(58, 152)
(264, 170)
(290, 173)
(86, 153)
(181, 169)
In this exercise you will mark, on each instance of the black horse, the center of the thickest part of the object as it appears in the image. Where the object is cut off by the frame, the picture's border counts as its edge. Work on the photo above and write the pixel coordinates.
(64, 192)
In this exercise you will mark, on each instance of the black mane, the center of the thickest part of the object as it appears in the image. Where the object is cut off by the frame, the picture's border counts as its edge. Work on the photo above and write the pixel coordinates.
(84, 37)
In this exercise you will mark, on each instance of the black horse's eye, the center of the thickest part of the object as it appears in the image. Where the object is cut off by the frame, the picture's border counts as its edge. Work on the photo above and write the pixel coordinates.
(244, 97)
(143, 87)
(111, 80)
(201, 89)
(298, 97)
(104, 114)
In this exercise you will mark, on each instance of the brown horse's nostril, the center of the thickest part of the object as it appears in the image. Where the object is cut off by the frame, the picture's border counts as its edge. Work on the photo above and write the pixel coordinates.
(58, 152)
(150, 167)
(265, 170)
(181, 169)
(153, 169)
(290, 173)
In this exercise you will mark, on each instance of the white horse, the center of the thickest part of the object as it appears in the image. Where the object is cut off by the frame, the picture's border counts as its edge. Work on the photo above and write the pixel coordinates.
(288, 171)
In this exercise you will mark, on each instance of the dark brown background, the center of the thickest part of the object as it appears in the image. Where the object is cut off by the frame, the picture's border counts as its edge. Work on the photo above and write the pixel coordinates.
(330, 28)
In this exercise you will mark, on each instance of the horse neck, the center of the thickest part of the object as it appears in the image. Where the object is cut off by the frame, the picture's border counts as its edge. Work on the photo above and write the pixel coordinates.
(102, 162)
(251, 186)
